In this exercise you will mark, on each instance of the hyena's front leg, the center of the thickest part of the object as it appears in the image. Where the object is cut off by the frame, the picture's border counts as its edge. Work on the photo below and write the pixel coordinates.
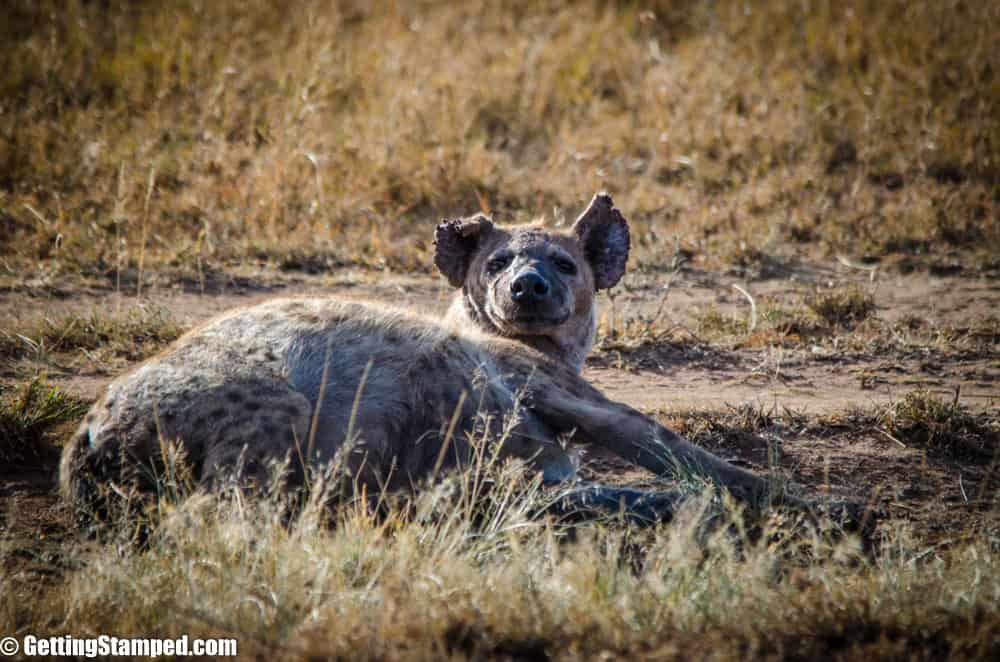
(636, 437)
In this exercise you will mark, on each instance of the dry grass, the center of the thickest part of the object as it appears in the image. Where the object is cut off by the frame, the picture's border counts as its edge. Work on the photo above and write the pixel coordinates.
(189, 134)
(736, 423)
(467, 572)
(844, 307)
(101, 339)
(468, 569)
(918, 419)
(789, 321)
(837, 318)
(943, 428)
(980, 336)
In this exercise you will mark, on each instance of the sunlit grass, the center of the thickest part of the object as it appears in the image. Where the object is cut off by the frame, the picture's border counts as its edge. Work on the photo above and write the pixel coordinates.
(470, 572)
(198, 133)
(133, 334)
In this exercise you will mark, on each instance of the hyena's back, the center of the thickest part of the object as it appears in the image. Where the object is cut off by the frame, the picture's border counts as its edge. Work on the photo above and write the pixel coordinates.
(249, 384)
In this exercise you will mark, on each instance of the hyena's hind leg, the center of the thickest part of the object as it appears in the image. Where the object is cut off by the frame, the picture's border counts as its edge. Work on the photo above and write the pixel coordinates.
(131, 443)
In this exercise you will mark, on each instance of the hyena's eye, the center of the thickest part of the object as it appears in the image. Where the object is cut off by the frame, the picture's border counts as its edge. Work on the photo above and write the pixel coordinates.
(564, 265)
(498, 263)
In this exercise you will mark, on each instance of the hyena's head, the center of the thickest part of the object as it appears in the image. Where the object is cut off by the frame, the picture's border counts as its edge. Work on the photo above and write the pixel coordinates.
(534, 284)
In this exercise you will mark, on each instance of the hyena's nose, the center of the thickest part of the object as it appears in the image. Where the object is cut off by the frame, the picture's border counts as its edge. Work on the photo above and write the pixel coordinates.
(529, 286)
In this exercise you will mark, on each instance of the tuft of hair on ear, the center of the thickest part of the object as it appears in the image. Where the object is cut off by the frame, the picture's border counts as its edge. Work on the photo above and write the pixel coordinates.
(603, 233)
(455, 242)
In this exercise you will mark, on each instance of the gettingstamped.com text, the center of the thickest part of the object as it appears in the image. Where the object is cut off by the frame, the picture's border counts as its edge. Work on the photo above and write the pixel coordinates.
(109, 646)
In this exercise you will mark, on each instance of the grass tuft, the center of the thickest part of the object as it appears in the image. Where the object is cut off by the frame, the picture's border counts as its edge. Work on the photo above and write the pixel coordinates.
(132, 336)
(843, 307)
(735, 424)
(943, 427)
(30, 414)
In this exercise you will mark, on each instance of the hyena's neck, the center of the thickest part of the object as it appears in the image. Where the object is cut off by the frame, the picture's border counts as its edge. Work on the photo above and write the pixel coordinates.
(465, 313)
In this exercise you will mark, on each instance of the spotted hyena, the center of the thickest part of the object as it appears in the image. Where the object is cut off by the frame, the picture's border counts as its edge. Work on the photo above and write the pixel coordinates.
(280, 380)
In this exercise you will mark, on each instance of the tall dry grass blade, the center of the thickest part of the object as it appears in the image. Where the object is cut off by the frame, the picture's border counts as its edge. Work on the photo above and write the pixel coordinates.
(119, 218)
(753, 308)
(356, 404)
(448, 435)
(150, 185)
(314, 422)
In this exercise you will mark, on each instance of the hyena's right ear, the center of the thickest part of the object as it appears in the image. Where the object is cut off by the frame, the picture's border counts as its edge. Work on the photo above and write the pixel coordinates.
(603, 233)
(456, 242)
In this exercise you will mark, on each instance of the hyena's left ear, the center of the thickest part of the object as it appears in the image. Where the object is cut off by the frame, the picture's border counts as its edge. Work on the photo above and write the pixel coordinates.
(603, 234)
(455, 242)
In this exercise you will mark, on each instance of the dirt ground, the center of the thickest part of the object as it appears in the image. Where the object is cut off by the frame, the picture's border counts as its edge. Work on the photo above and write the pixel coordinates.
(802, 388)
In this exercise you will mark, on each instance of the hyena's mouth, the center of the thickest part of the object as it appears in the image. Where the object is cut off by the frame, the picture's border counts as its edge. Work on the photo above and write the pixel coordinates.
(539, 319)
(525, 320)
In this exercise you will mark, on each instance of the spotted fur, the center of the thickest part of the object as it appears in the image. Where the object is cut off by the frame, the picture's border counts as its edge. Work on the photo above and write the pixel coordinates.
(277, 382)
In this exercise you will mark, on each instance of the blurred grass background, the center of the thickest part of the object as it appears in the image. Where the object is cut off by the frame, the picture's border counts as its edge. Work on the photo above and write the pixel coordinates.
(167, 134)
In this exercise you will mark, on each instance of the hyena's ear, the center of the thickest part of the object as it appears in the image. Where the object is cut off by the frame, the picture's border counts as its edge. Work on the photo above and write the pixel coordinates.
(603, 234)
(456, 242)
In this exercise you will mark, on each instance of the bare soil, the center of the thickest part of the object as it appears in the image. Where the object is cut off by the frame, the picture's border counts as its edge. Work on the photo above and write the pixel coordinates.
(800, 386)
